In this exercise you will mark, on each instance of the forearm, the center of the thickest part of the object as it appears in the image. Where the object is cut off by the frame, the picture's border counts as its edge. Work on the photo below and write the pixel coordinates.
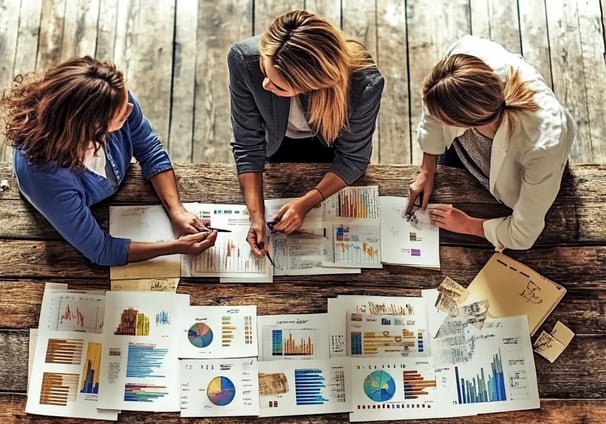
(251, 184)
(165, 185)
(328, 185)
(429, 164)
(140, 251)
(475, 227)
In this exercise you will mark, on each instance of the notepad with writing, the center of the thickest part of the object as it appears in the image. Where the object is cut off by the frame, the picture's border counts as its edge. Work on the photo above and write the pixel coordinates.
(512, 288)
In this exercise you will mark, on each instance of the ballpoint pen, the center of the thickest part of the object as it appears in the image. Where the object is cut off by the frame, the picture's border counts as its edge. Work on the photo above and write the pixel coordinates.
(220, 230)
(271, 261)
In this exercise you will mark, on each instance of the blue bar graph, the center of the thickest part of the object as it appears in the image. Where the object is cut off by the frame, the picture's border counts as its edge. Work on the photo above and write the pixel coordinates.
(144, 360)
(308, 387)
(356, 343)
(481, 388)
(276, 342)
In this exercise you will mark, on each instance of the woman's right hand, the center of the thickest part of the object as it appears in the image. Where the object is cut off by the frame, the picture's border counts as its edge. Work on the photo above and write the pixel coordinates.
(257, 237)
(192, 244)
(420, 191)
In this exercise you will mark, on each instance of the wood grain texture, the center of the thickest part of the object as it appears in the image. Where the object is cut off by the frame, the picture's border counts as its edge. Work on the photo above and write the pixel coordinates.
(80, 28)
(220, 24)
(329, 9)
(107, 30)
(553, 411)
(9, 15)
(392, 60)
(534, 37)
(267, 10)
(51, 33)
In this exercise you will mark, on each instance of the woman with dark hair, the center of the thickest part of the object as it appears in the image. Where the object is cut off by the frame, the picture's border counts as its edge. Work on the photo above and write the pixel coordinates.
(300, 93)
(74, 129)
(490, 112)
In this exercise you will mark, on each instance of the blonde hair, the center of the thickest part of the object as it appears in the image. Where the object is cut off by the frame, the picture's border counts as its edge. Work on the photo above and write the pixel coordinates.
(311, 55)
(462, 90)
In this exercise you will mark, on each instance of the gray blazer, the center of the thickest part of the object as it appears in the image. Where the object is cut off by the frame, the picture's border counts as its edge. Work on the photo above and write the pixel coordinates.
(259, 118)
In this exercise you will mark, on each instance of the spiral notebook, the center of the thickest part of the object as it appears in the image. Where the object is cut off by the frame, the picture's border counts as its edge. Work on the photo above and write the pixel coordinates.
(512, 288)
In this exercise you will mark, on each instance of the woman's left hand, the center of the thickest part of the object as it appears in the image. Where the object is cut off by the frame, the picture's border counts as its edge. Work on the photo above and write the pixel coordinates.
(290, 216)
(452, 219)
(186, 222)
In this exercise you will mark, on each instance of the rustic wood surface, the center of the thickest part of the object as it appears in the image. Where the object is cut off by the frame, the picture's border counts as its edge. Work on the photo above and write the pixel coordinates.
(571, 251)
(174, 52)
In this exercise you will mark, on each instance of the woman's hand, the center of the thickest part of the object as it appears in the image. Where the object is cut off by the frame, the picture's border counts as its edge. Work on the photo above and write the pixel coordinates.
(420, 191)
(192, 244)
(452, 219)
(185, 222)
(257, 237)
(291, 215)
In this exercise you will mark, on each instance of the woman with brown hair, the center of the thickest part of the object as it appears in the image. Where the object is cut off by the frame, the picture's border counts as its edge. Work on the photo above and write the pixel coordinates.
(301, 92)
(75, 129)
(490, 112)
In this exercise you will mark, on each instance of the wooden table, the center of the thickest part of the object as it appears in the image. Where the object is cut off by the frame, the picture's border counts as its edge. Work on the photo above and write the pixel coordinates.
(571, 251)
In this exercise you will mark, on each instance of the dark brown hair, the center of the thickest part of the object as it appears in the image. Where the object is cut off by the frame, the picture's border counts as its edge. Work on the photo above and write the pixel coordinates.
(462, 90)
(53, 117)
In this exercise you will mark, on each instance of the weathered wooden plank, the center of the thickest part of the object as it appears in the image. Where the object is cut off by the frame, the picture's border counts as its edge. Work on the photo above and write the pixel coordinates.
(9, 15)
(329, 9)
(582, 308)
(51, 33)
(27, 41)
(12, 407)
(568, 73)
(220, 24)
(496, 20)
(360, 23)
(80, 28)
(148, 70)
(394, 123)
(594, 65)
(106, 29)
(432, 27)
(534, 37)
(555, 380)
(265, 11)
(184, 82)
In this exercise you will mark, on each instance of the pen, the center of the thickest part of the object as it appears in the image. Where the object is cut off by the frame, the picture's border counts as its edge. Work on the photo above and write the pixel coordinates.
(221, 230)
(271, 261)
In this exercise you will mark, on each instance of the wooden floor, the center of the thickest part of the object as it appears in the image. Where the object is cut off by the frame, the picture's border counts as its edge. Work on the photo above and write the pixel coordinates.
(174, 55)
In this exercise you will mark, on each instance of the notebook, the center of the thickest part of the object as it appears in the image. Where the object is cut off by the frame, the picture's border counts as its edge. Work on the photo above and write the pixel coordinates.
(512, 288)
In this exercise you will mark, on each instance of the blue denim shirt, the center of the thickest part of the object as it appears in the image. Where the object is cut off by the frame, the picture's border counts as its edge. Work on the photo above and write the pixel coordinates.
(64, 196)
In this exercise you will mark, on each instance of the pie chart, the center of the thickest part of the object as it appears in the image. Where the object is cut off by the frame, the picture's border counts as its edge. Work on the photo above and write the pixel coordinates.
(221, 391)
(200, 334)
(379, 386)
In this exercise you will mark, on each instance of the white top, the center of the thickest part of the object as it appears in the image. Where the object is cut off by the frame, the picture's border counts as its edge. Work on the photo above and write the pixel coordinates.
(297, 124)
(526, 167)
(95, 162)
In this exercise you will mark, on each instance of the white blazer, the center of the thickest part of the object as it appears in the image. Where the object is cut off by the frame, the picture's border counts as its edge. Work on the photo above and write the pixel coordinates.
(526, 166)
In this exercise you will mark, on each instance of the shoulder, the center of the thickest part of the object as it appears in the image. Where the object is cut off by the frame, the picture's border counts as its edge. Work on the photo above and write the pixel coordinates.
(366, 83)
(33, 178)
(245, 50)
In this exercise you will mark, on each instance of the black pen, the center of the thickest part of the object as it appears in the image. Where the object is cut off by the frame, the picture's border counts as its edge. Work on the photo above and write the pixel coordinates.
(271, 261)
(220, 230)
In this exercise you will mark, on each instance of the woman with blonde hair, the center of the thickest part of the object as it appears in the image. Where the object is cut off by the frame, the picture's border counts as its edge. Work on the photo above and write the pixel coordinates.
(75, 129)
(490, 112)
(301, 92)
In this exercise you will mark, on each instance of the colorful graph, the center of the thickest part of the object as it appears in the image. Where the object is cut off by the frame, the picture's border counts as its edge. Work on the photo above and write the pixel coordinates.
(227, 331)
(415, 385)
(78, 313)
(59, 388)
(229, 255)
(293, 342)
(379, 386)
(357, 202)
(483, 386)
(145, 360)
(64, 351)
(200, 335)
(162, 318)
(144, 392)
(221, 391)
(248, 330)
(92, 365)
(133, 323)
(356, 244)
(309, 385)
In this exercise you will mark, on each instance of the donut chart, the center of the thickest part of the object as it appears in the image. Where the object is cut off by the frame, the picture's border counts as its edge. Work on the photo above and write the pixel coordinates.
(379, 386)
(221, 391)
(200, 335)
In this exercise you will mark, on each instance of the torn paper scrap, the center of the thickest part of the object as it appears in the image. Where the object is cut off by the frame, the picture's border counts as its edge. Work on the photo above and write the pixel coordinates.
(551, 345)
(451, 296)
